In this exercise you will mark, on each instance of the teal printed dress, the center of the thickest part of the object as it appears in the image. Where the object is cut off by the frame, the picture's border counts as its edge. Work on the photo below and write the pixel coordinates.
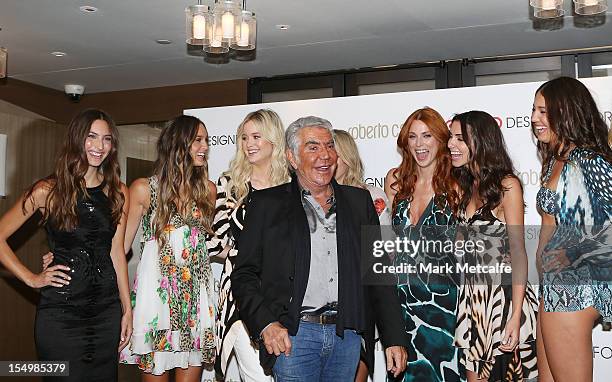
(429, 300)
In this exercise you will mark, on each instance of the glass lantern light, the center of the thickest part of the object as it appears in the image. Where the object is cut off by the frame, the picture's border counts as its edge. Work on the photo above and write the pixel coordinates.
(246, 32)
(217, 44)
(590, 7)
(547, 9)
(198, 23)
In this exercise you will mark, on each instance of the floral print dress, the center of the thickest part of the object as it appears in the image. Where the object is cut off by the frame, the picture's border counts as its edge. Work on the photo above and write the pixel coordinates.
(172, 296)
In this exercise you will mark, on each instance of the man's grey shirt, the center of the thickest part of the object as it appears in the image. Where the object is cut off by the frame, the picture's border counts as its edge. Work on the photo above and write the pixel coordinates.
(322, 288)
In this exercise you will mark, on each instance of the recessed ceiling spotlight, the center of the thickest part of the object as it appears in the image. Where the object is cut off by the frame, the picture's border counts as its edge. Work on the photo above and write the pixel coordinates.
(163, 41)
(58, 54)
(283, 27)
(88, 9)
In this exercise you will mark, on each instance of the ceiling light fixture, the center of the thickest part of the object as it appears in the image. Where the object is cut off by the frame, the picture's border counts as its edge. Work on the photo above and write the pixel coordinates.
(283, 27)
(58, 54)
(227, 26)
(163, 41)
(590, 7)
(88, 9)
(548, 9)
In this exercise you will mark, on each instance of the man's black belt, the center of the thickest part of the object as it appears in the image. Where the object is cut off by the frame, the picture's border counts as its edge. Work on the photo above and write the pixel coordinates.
(325, 318)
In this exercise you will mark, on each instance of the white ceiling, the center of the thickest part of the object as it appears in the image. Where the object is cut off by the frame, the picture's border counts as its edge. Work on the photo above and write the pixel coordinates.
(115, 48)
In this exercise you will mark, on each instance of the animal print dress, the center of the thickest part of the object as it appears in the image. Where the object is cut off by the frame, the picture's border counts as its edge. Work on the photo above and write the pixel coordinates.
(485, 305)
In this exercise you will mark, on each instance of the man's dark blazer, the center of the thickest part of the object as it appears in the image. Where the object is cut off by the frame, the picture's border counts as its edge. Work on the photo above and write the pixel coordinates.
(271, 269)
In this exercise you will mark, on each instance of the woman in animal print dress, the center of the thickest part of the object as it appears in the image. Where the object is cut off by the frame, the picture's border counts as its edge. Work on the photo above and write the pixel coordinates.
(496, 317)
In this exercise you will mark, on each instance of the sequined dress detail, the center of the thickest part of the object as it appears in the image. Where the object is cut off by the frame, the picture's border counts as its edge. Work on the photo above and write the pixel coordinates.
(80, 322)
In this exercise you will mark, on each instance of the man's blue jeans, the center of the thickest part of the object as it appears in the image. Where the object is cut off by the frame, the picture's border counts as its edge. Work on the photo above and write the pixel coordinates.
(318, 354)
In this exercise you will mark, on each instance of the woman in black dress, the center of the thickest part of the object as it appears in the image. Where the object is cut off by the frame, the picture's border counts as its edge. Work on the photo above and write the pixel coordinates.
(84, 314)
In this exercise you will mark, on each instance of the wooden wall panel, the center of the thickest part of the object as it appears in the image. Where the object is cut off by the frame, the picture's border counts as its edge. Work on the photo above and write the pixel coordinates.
(31, 149)
(128, 106)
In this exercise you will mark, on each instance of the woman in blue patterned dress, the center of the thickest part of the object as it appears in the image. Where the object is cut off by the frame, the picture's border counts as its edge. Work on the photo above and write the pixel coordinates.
(423, 197)
(575, 197)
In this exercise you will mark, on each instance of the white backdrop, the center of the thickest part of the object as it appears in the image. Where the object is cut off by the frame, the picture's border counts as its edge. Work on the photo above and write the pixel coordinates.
(375, 121)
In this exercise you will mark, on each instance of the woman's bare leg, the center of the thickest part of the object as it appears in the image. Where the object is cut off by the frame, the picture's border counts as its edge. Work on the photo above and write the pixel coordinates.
(544, 374)
(560, 329)
(191, 374)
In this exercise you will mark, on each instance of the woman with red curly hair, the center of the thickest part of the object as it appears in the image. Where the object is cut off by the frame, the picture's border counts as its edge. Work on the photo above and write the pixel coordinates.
(424, 196)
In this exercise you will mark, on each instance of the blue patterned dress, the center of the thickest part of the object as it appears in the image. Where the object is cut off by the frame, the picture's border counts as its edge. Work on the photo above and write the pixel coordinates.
(429, 301)
(582, 207)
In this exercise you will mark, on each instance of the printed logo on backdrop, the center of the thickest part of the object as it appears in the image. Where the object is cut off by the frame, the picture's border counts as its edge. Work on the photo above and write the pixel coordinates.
(602, 352)
(529, 177)
(383, 130)
(379, 130)
(607, 116)
(376, 182)
(222, 140)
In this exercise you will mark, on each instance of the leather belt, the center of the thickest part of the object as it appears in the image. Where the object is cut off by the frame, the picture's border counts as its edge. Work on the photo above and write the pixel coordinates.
(319, 318)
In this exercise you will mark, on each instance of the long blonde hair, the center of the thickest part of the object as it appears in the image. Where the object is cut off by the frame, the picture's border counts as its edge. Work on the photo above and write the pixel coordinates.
(271, 128)
(347, 151)
(175, 173)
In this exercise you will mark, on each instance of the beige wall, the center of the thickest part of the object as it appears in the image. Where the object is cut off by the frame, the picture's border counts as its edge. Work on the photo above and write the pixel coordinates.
(136, 141)
(32, 144)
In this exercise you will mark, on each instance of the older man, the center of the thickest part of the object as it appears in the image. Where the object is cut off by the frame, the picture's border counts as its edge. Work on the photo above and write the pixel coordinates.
(297, 279)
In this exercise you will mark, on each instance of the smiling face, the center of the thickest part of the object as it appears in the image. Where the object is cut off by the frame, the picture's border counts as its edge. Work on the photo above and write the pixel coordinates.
(256, 148)
(199, 147)
(98, 143)
(422, 144)
(539, 120)
(316, 157)
(460, 153)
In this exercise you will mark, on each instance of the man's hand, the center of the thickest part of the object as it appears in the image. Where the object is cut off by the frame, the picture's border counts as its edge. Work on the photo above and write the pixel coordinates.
(276, 339)
(397, 359)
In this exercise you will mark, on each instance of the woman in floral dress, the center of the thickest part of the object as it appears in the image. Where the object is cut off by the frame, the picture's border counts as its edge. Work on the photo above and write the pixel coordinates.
(173, 291)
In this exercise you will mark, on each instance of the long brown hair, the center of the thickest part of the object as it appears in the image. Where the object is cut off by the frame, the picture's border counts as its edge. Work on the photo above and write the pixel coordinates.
(406, 174)
(489, 163)
(179, 179)
(574, 118)
(67, 183)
